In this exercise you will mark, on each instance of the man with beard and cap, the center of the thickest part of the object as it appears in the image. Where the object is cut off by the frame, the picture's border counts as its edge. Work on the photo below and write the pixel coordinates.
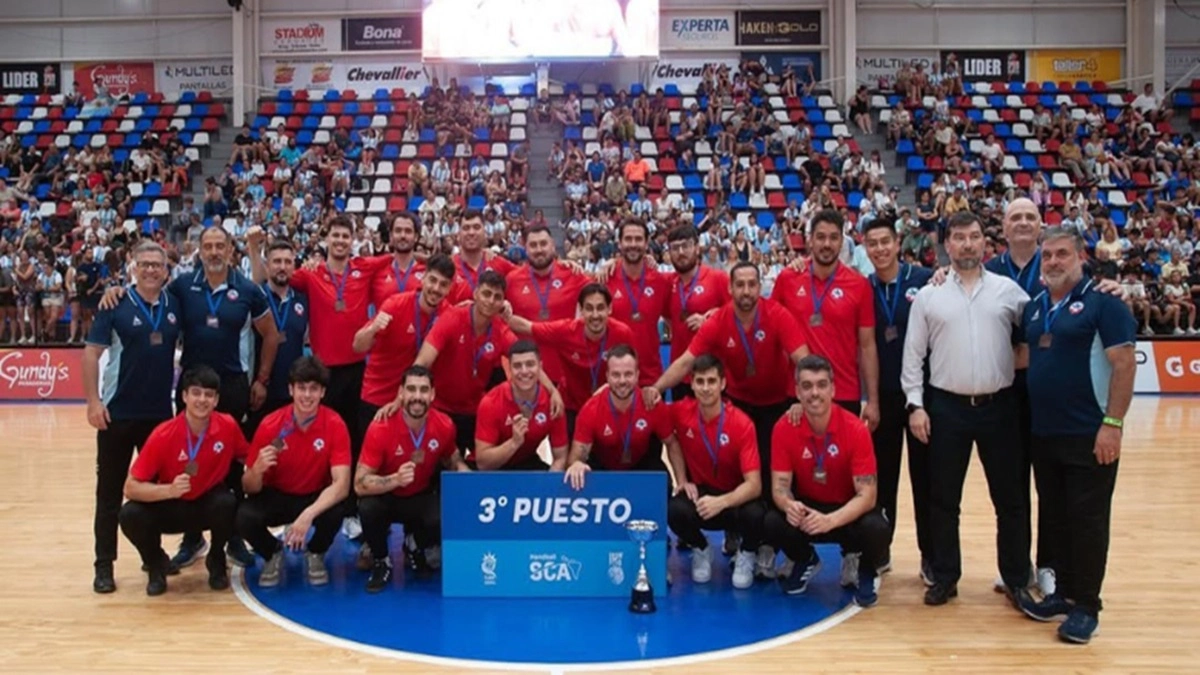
(640, 295)
(289, 310)
(515, 418)
(964, 329)
(394, 477)
(404, 273)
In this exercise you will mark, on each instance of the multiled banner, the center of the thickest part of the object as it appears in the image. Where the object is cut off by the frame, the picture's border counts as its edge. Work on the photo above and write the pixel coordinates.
(528, 534)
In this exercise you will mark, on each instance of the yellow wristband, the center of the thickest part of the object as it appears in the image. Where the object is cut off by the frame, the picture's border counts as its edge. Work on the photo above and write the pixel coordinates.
(1114, 422)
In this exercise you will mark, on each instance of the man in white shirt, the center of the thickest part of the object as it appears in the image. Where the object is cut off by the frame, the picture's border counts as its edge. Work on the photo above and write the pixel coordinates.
(1147, 101)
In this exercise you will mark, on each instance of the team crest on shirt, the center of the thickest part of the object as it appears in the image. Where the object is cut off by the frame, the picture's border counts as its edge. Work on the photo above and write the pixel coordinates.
(489, 348)
(231, 295)
(836, 293)
(419, 275)
(640, 425)
(557, 283)
(319, 444)
(760, 335)
(540, 418)
(299, 309)
(699, 290)
(1076, 307)
(218, 447)
(649, 292)
(355, 273)
(911, 294)
(433, 444)
(724, 439)
(833, 450)
(171, 318)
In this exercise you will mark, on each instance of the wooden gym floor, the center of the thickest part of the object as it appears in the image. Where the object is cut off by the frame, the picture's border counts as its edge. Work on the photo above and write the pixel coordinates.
(51, 621)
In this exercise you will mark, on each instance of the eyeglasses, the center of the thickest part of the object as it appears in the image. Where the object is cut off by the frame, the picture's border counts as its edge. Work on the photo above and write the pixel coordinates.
(150, 265)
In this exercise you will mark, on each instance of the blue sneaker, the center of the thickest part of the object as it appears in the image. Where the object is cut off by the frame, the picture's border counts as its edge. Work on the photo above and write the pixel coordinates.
(189, 552)
(1079, 627)
(865, 594)
(1052, 607)
(797, 582)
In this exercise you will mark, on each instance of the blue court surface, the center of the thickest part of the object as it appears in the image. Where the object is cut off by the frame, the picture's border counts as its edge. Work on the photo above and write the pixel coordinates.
(411, 620)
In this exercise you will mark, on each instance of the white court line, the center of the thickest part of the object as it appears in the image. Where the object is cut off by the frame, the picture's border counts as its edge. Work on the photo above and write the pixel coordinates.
(261, 610)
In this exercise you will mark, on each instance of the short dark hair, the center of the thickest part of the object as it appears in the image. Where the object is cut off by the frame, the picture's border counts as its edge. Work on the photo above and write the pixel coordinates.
(815, 363)
(888, 224)
(339, 221)
(442, 264)
(831, 216)
(707, 362)
(684, 233)
(1064, 233)
(471, 214)
(620, 351)
(493, 279)
(280, 245)
(217, 226)
(633, 222)
(308, 369)
(537, 229)
(525, 346)
(593, 289)
(200, 376)
(405, 215)
(744, 265)
(963, 219)
(417, 371)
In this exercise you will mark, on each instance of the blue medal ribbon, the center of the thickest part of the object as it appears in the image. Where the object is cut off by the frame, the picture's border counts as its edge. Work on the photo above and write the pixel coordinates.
(481, 347)
(421, 330)
(1034, 269)
(339, 282)
(214, 306)
(634, 299)
(155, 319)
(471, 279)
(522, 403)
(818, 300)
(712, 448)
(402, 280)
(690, 288)
(742, 336)
(193, 449)
(627, 432)
(1050, 314)
(417, 439)
(278, 309)
(890, 307)
(599, 358)
(543, 296)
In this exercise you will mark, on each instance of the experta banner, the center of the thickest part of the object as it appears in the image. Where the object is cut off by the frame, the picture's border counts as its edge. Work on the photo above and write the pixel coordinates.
(986, 65)
(1075, 65)
(878, 69)
(381, 34)
(697, 30)
(32, 374)
(1180, 61)
(300, 36)
(30, 78)
(776, 62)
(121, 79)
(779, 27)
(687, 73)
(214, 76)
(528, 534)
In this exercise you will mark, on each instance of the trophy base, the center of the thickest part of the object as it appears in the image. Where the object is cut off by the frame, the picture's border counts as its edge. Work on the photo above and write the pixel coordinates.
(642, 601)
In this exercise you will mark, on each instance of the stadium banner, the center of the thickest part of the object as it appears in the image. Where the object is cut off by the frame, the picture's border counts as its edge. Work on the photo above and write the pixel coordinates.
(987, 65)
(300, 36)
(686, 73)
(30, 78)
(762, 28)
(1180, 61)
(33, 374)
(877, 69)
(382, 34)
(528, 534)
(1075, 65)
(121, 79)
(214, 76)
(775, 62)
(697, 30)
(362, 75)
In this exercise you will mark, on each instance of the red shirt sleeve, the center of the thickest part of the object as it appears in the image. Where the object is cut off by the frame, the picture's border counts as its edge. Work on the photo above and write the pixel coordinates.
(145, 468)
(549, 332)
(863, 462)
(442, 332)
(558, 432)
(748, 457)
(783, 284)
(301, 280)
(237, 439)
(373, 446)
(487, 421)
(505, 338)
(660, 421)
(706, 337)
(583, 424)
(866, 306)
(782, 436)
(339, 453)
(789, 331)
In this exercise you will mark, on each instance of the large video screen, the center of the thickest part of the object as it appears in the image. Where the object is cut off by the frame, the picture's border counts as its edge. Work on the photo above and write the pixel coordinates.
(517, 30)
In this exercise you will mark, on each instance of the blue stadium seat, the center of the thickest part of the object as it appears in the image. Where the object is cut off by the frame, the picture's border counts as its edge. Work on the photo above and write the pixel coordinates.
(797, 197)
(187, 97)
(792, 182)
(331, 95)
(925, 181)
(350, 108)
(854, 199)
(141, 208)
(636, 89)
(765, 219)
(905, 146)
(737, 201)
(1016, 88)
(915, 163)
(1014, 146)
(692, 183)
(671, 90)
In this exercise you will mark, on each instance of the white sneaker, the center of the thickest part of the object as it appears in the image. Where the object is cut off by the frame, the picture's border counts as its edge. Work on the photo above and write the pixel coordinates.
(1047, 581)
(743, 570)
(850, 570)
(764, 562)
(1178, 331)
(702, 565)
(351, 527)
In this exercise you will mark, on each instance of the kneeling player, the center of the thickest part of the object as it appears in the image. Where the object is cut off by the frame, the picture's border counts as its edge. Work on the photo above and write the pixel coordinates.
(514, 419)
(716, 466)
(177, 481)
(394, 478)
(615, 431)
(299, 473)
(823, 483)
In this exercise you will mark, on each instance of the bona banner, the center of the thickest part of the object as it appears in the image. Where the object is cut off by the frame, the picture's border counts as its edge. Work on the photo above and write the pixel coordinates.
(527, 534)
(1075, 65)
(987, 65)
(391, 33)
(32, 374)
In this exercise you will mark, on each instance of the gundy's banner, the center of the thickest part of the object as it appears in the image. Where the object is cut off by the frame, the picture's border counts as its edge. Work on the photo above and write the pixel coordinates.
(1075, 65)
(32, 374)
(527, 534)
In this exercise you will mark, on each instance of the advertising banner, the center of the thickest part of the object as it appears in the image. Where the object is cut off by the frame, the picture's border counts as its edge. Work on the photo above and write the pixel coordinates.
(30, 78)
(878, 69)
(1168, 367)
(686, 73)
(1180, 61)
(388, 33)
(779, 27)
(697, 30)
(214, 76)
(528, 534)
(775, 62)
(1075, 65)
(986, 65)
(300, 36)
(363, 76)
(121, 79)
(33, 374)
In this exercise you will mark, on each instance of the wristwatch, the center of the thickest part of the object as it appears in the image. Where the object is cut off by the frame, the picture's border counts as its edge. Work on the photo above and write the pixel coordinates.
(911, 407)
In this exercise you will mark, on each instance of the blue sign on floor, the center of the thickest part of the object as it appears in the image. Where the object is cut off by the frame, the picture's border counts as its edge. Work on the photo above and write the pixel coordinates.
(519, 534)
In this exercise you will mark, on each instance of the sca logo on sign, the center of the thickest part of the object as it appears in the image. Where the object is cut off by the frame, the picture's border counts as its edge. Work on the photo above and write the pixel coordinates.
(551, 567)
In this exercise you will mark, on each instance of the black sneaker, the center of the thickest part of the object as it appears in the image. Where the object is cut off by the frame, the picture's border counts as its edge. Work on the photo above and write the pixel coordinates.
(1052, 607)
(940, 593)
(103, 581)
(381, 575)
(218, 572)
(1079, 628)
(1022, 601)
(168, 563)
(418, 564)
(796, 582)
(189, 552)
(237, 552)
(157, 583)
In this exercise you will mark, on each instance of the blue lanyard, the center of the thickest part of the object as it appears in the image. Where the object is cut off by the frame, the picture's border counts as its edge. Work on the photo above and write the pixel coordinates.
(819, 300)
(634, 299)
(599, 358)
(193, 449)
(523, 404)
(480, 349)
(742, 335)
(293, 423)
(402, 281)
(154, 318)
(339, 282)
(421, 330)
(708, 445)
(417, 439)
(278, 309)
(472, 280)
(690, 288)
(1050, 314)
(889, 311)
(821, 455)
(627, 432)
(1033, 268)
(543, 298)
(214, 307)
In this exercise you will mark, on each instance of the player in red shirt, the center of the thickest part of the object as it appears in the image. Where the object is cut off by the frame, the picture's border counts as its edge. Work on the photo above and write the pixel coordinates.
(404, 272)
(177, 481)
(823, 484)
(580, 344)
(696, 290)
(836, 308)
(472, 260)
(394, 481)
(640, 296)
(716, 467)
(299, 473)
(615, 431)
(515, 418)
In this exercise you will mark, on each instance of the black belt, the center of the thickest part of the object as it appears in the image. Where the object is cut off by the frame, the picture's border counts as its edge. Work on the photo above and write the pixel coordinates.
(973, 400)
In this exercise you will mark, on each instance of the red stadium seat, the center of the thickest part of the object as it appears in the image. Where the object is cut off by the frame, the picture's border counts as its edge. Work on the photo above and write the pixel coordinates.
(397, 203)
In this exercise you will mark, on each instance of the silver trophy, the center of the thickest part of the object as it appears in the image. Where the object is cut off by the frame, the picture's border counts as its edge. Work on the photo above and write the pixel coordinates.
(642, 597)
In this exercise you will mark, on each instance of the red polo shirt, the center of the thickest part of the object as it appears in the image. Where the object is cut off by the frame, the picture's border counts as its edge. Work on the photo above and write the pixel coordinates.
(396, 346)
(732, 440)
(497, 411)
(559, 291)
(165, 453)
(582, 359)
(845, 451)
(465, 360)
(391, 279)
(771, 340)
(331, 332)
(708, 290)
(389, 444)
(649, 295)
(303, 466)
(605, 429)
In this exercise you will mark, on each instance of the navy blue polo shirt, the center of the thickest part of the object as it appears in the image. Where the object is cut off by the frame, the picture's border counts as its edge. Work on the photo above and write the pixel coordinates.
(1029, 277)
(908, 281)
(1068, 380)
(291, 318)
(228, 347)
(137, 382)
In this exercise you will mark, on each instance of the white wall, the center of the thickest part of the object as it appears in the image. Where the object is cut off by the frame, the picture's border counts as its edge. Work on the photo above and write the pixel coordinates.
(1183, 24)
(979, 24)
